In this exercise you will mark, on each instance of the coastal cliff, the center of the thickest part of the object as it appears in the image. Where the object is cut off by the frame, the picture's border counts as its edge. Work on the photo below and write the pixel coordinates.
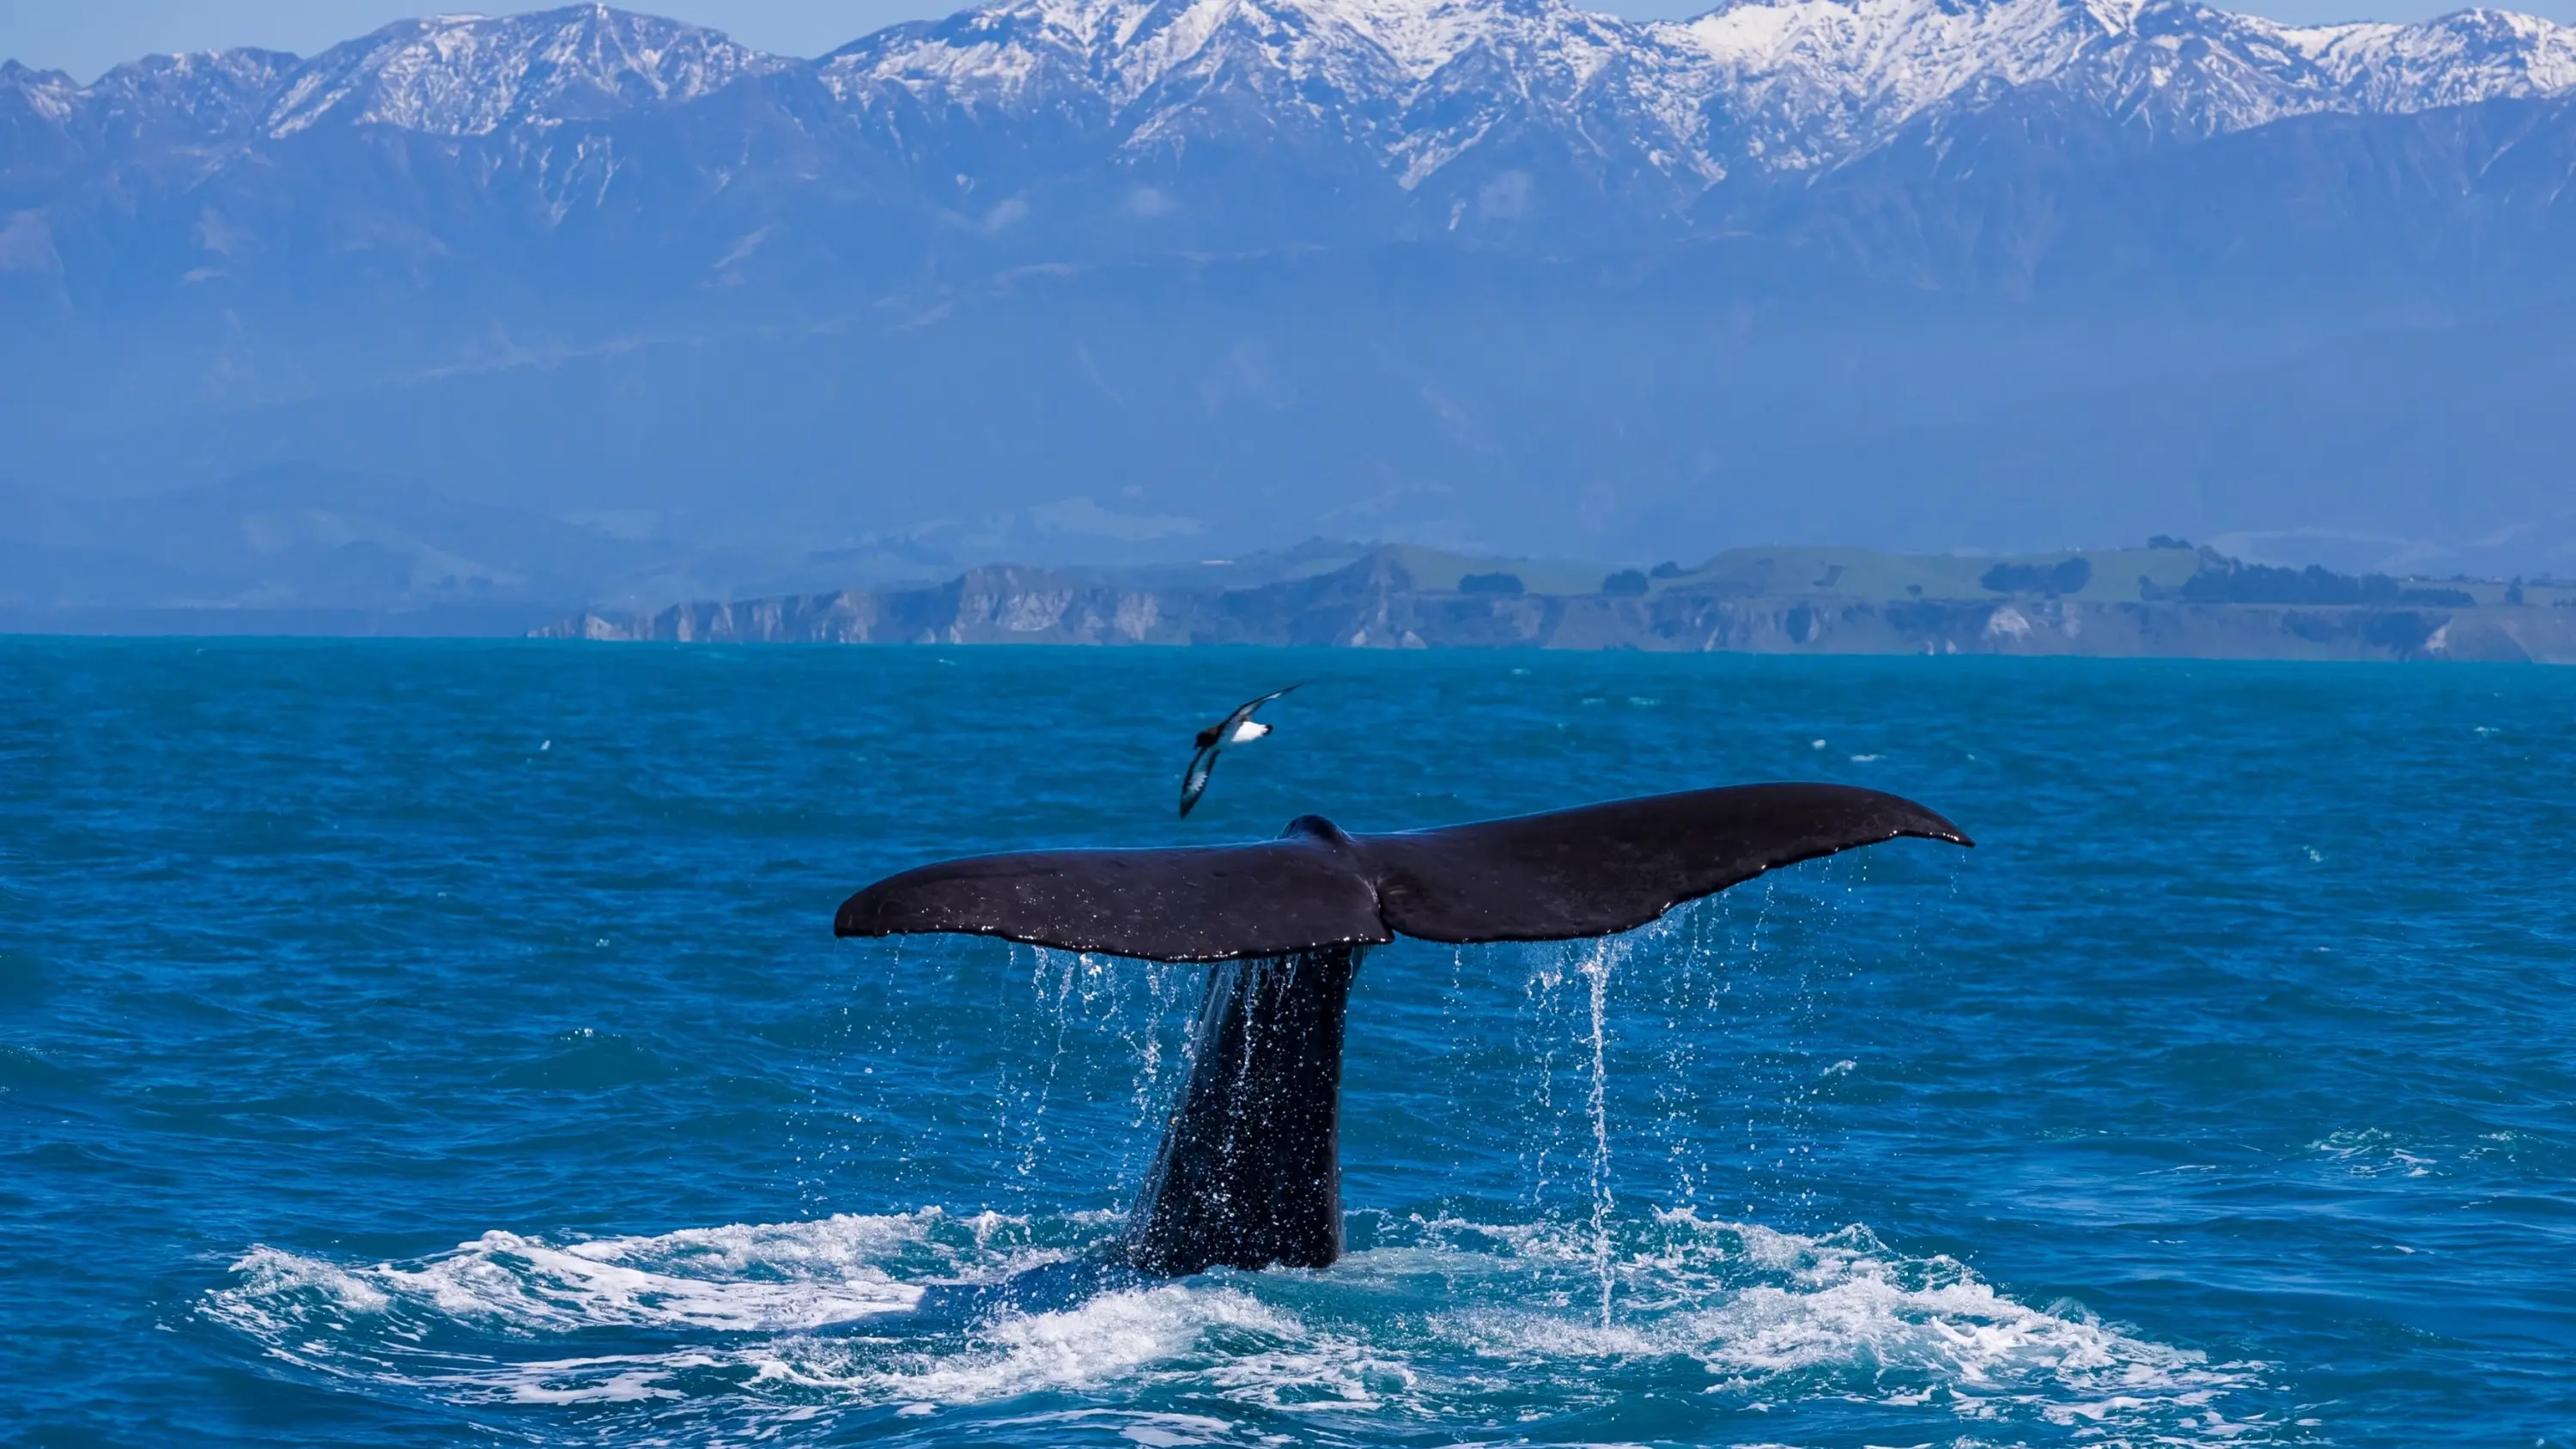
(2154, 602)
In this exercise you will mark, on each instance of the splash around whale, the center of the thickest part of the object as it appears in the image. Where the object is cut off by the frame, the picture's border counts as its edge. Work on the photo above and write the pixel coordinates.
(1248, 1174)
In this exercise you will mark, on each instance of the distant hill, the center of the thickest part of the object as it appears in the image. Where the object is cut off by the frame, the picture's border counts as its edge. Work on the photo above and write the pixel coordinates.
(1074, 281)
(2159, 601)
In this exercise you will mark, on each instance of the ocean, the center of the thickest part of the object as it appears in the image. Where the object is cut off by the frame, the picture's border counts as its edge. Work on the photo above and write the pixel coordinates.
(426, 1043)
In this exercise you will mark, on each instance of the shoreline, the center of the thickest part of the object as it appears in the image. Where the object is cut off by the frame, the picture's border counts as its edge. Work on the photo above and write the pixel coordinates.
(1379, 602)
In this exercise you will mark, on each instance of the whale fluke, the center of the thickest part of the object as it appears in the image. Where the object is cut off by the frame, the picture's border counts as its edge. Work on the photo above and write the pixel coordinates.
(1248, 1174)
(1199, 903)
(1589, 871)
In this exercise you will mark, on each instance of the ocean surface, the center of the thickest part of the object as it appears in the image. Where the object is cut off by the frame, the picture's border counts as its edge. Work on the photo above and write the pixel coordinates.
(444, 1043)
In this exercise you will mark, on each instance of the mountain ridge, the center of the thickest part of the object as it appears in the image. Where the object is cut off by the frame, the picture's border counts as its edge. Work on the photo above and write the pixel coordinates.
(1776, 85)
(1205, 274)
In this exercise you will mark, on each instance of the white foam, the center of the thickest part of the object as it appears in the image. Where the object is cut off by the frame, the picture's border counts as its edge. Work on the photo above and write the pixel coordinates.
(2372, 1153)
(1157, 1431)
(1114, 1338)
(751, 1278)
(1766, 1312)
(321, 1293)
(1429, 1324)
(595, 1381)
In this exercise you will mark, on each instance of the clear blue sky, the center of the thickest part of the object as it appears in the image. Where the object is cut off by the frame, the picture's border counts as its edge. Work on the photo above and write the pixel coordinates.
(87, 36)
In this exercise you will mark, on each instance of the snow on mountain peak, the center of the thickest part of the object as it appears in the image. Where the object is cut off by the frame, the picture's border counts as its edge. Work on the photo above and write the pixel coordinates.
(990, 54)
(2455, 59)
(466, 75)
(47, 94)
(1417, 81)
(1822, 80)
(1779, 86)
(216, 94)
(1814, 81)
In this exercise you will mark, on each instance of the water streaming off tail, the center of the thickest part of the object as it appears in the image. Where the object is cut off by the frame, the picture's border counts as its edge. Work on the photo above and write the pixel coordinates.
(1595, 968)
(1092, 1052)
(1669, 1068)
(1040, 1086)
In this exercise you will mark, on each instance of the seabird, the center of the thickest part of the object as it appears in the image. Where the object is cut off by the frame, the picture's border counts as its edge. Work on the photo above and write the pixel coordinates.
(1234, 729)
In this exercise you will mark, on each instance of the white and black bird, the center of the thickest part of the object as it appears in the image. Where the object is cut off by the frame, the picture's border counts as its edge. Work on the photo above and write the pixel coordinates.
(1235, 729)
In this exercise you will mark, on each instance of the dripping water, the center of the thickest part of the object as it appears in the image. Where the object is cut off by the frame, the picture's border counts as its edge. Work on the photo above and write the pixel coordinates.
(1003, 1038)
(1066, 965)
(1088, 1052)
(1596, 973)
(820, 1130)
(1539, 1045)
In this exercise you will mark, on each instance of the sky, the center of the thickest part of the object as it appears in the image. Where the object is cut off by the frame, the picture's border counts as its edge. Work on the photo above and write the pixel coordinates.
(85, 37)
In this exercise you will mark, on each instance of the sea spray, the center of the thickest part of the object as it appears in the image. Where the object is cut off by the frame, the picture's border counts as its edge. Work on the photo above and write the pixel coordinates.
(1542, 1038)
(821, 1130)
(1596, 973)
(1053, 980)
(808, 1332)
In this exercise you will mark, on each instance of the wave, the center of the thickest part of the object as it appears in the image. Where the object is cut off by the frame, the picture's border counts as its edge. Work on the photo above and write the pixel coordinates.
(1433, 1321)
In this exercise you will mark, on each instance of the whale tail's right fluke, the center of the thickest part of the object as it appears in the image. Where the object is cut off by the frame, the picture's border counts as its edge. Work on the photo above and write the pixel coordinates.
(1600, 869)
(1588, 871)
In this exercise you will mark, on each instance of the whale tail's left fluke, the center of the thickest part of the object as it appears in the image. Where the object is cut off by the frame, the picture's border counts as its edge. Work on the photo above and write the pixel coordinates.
(1589, 871)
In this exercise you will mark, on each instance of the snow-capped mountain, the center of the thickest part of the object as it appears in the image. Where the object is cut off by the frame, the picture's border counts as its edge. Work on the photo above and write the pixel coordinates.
(1416, 84)
(1777, 85)
(1774, 86)
(2459, 59)
(1814, 82)
(470, 76)
(445, 75)
(1376, 264)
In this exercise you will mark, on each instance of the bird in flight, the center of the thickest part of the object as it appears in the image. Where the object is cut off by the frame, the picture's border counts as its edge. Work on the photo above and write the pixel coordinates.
(1234, 729)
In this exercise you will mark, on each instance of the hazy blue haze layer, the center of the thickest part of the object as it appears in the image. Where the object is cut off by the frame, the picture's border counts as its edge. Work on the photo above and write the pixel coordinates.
(2222, 1095)
(594, 307)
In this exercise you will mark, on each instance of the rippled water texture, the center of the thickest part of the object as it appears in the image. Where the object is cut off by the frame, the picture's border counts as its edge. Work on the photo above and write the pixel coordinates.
(409, 1044)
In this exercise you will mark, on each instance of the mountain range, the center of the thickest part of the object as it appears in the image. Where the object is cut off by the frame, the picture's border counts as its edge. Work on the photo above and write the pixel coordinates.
(1100, 280)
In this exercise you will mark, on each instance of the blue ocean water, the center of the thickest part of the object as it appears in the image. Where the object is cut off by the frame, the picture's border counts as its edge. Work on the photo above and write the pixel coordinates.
(443, 1043)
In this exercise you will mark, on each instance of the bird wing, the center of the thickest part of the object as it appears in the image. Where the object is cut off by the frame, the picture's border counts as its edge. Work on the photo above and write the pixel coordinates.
(1584, 872)
(1244, 712)
(1194, 782)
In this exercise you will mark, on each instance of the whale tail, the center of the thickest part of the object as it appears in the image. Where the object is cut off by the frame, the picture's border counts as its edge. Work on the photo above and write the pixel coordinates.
(1248, 1174)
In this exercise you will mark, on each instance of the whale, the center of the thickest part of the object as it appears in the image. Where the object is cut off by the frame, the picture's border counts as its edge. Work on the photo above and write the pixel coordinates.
(1248, 1171)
